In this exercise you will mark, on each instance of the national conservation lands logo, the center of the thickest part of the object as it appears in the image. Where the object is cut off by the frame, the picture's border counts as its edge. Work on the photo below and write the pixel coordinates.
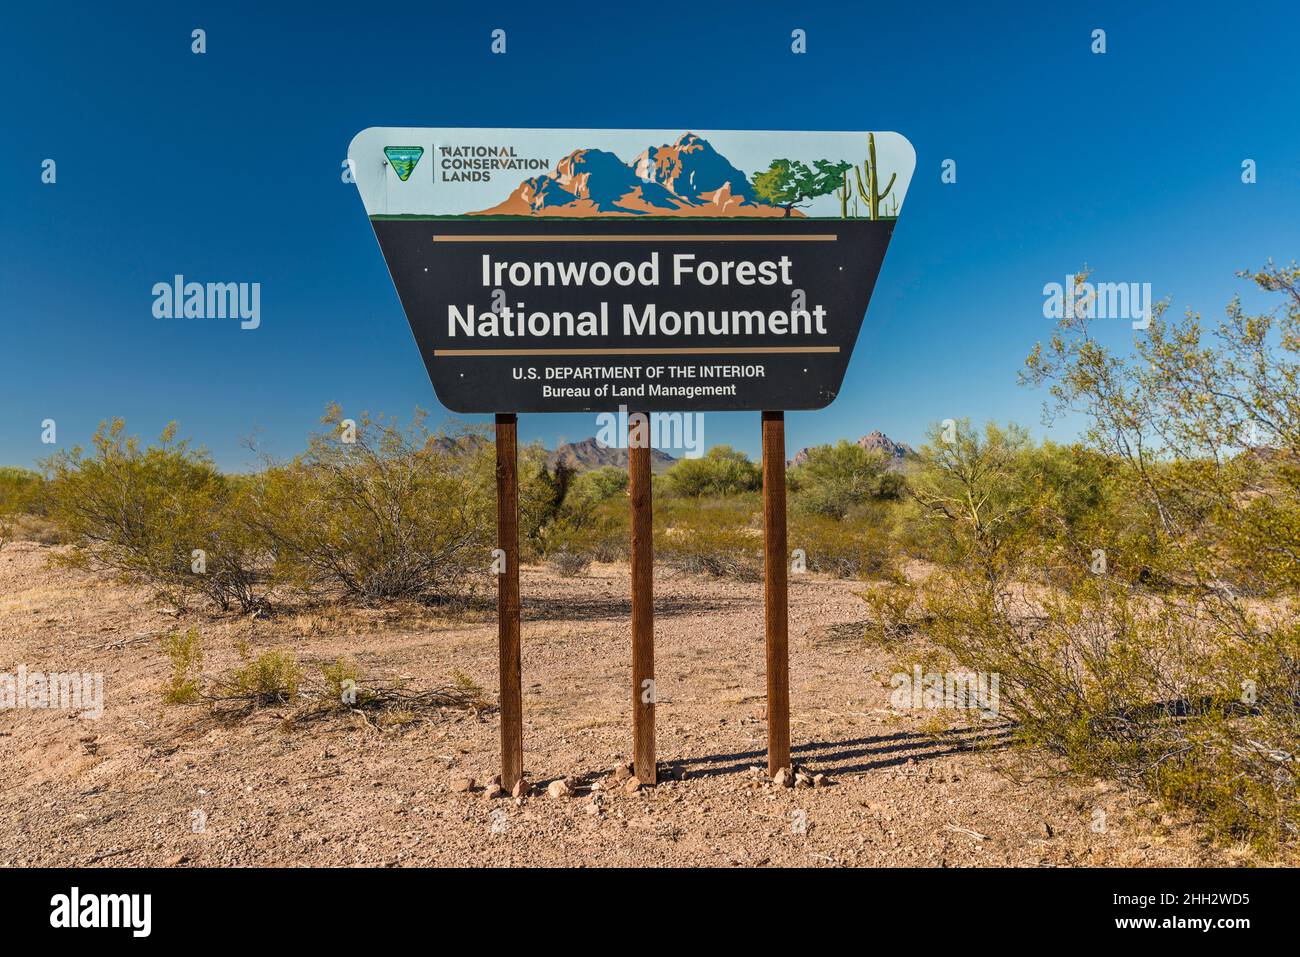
(575, 270)
(403, 159)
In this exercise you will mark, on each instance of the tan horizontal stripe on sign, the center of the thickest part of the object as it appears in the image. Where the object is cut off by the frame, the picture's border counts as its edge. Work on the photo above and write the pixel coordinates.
(640, 238)
(684, 351)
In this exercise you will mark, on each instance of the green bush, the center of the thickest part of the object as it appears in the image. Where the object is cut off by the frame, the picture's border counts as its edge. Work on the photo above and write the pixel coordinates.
(343, 685)
(598, 532)
(835, 479)
(718, 537)
(162, 516)
(21, 492)
(1150, 658)
(592, 488)
(185, 654)
(858, 546)
(542, 494)
(393, 514)
(720, 471)
(271, 677)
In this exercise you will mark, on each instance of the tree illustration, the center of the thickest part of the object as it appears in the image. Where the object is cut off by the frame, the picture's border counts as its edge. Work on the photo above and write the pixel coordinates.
(786, 183)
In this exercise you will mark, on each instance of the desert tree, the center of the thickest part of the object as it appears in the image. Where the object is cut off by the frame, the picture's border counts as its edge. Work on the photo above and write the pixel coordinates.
(791, 183)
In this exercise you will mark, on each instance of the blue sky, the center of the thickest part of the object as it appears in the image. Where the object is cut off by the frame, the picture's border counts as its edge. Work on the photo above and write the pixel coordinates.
(226, 167)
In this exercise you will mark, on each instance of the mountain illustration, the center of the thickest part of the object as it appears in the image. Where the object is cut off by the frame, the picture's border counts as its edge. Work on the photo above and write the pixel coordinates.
(686, 178)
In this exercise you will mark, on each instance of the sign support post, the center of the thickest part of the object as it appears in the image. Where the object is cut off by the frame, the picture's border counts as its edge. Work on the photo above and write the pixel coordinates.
(512, 727)
(775, 593)
(643, 622)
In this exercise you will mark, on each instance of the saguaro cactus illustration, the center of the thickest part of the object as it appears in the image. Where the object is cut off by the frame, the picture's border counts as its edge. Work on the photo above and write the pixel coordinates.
(845, 193)
(870, 190)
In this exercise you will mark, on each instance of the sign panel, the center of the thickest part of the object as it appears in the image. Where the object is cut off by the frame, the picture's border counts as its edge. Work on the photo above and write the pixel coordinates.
(580, 270)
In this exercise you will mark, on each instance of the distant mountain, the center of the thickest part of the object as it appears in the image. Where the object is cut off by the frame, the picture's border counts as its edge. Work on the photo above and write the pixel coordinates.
(466, 443)
(579, 456)
(877, 441)
(685, 178)
(589, 454)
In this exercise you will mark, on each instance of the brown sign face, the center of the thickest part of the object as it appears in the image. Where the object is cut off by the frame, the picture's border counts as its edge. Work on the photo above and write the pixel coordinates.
(671, 280)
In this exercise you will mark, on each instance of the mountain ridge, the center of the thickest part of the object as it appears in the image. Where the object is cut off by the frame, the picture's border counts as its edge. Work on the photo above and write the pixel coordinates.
(896, 453)
(685, 178)
(590, 454)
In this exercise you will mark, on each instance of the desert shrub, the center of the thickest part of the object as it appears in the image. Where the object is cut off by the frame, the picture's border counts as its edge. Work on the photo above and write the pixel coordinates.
(542, 494)
(465, 686)
(720, 471)
(184, 653)
(835, 479)
(34, 528)
(160, 515)
(718, 537)
(271, 677)
(1170, 678)
(21, 492)
(569, 564)
(591, 488)
(600, 533)
(593, 519)
(343, 684)
(967, 498)
(858, 546)
(394, 514)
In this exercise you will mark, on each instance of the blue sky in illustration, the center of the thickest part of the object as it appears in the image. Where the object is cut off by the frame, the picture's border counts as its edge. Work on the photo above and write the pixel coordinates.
(226, 167)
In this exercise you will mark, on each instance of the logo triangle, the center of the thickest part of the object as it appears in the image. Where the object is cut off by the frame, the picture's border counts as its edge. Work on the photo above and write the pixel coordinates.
(403, 159)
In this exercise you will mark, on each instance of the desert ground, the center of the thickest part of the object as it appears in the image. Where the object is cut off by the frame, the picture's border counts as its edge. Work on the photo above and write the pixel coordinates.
(158, 784)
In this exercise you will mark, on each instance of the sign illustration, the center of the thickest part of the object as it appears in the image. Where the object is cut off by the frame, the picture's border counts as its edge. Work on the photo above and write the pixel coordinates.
(580, 270)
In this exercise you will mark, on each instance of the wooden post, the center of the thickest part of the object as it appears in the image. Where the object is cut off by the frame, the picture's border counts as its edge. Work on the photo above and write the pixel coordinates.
(512, 717)
(643, 613)
(775, 592)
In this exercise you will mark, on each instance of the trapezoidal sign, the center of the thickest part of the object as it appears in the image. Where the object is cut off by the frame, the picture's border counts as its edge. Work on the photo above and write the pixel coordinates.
(577, 270)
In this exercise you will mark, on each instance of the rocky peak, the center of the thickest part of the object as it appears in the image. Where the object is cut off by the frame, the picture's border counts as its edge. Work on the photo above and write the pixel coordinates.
(875, 441)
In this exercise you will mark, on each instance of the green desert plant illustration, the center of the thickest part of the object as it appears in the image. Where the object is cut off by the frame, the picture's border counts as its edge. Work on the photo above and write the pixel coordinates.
(787, 183)
(844, 194)
(869, 189)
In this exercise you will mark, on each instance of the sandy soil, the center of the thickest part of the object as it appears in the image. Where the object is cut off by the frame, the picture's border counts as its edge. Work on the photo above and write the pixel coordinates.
(156, 784)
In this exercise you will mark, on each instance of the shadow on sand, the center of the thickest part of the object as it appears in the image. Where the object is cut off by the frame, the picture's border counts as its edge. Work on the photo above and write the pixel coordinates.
(568, 608)
(861, 754)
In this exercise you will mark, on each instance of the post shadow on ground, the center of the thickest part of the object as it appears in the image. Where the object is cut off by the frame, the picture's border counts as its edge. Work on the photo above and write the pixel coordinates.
(839, 757)
(548, 608)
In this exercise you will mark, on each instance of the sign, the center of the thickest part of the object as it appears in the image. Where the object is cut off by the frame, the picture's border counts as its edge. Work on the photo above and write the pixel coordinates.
(580, 270)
